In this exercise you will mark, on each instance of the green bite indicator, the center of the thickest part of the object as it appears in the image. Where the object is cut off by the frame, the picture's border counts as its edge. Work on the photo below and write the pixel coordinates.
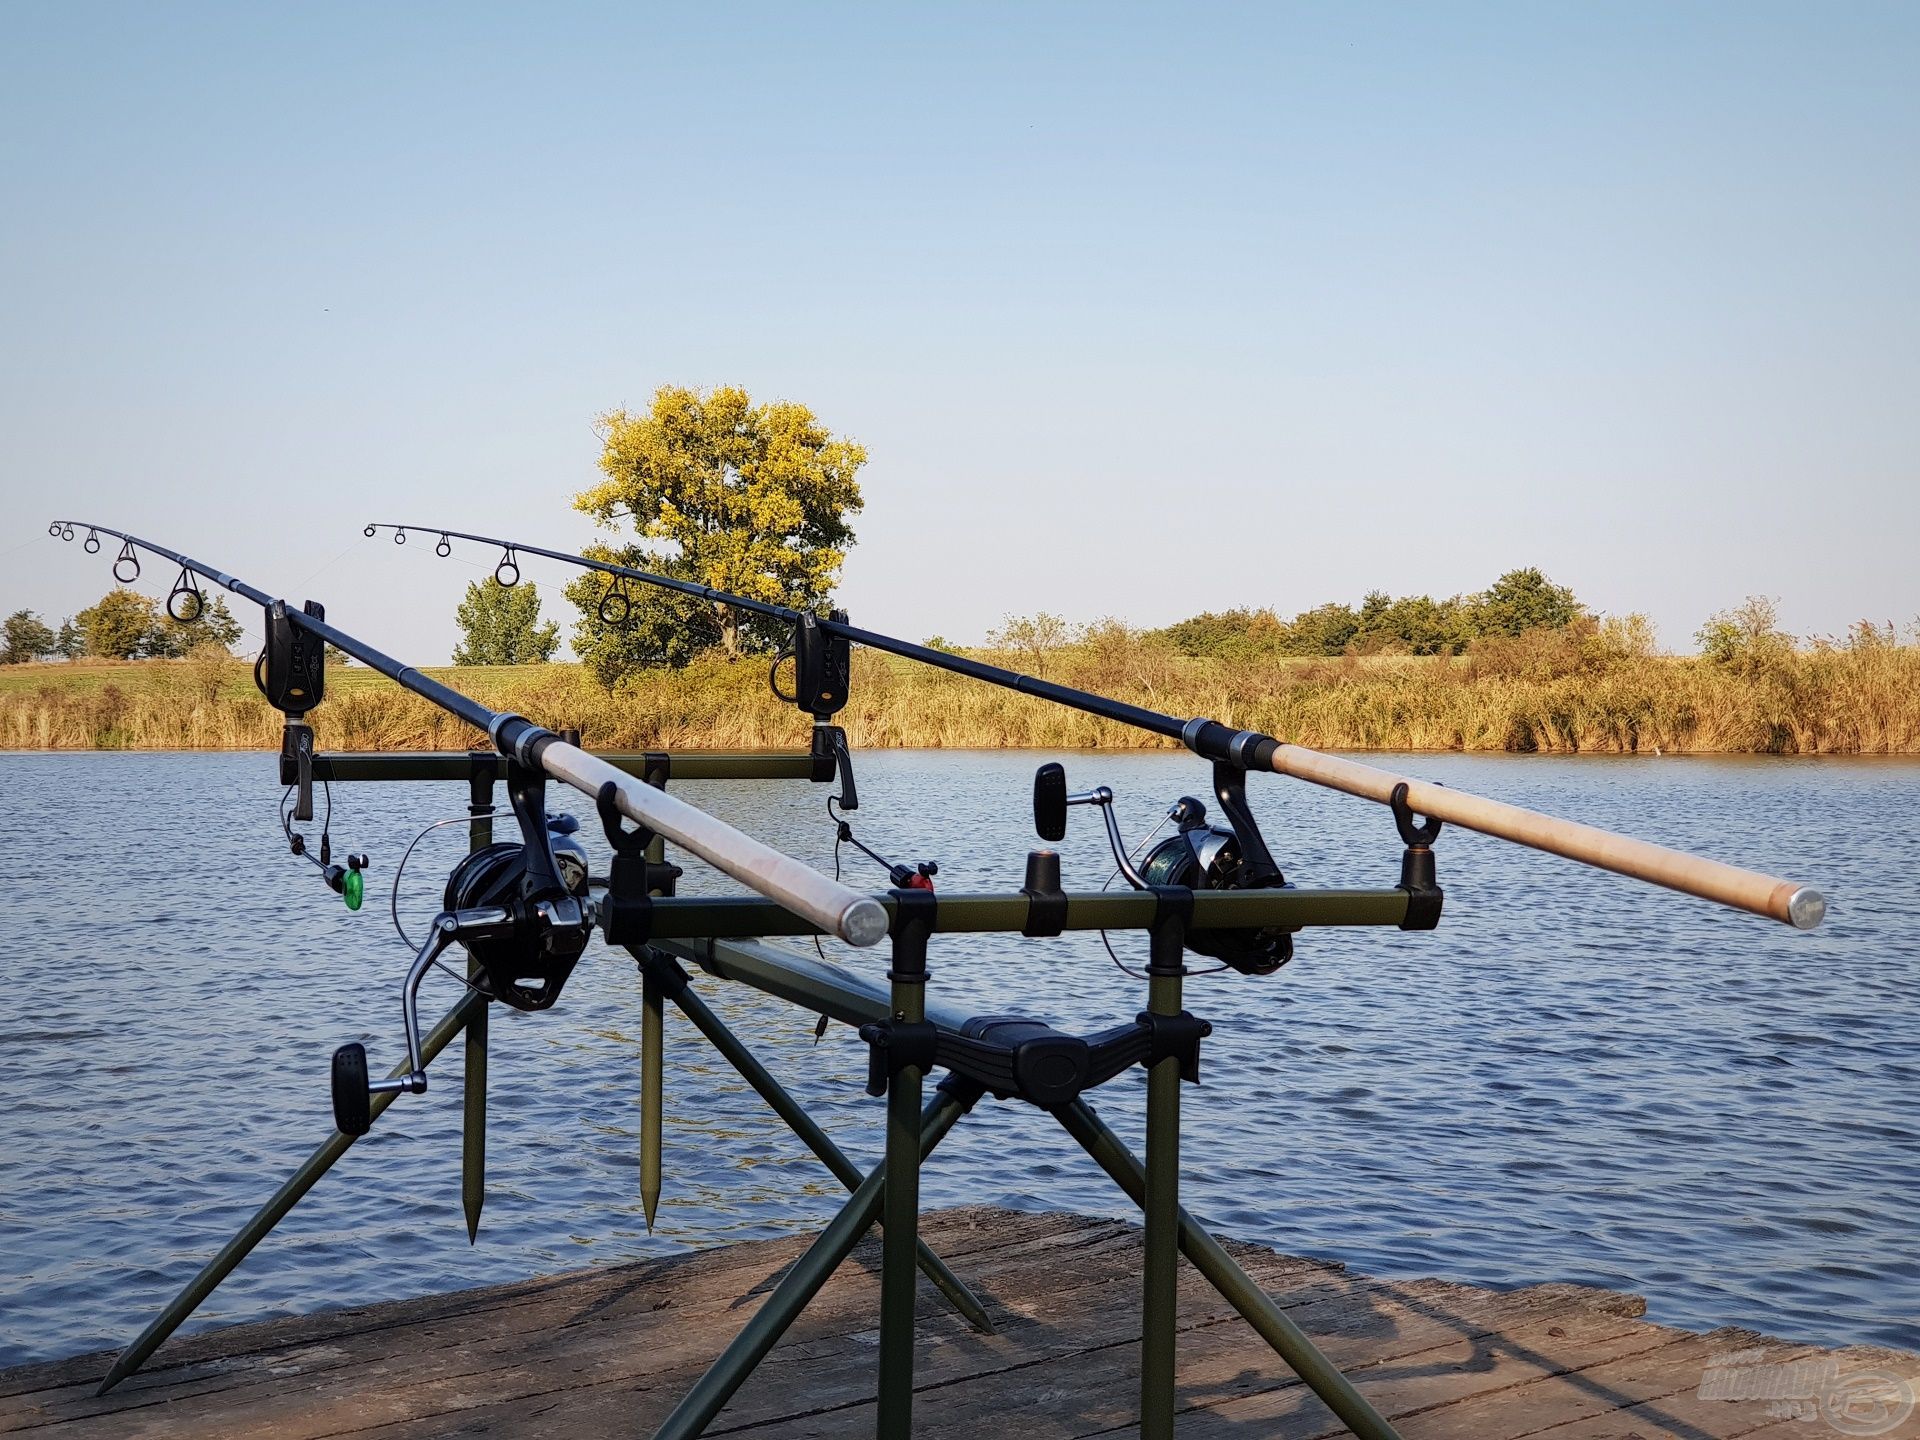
(353, 889)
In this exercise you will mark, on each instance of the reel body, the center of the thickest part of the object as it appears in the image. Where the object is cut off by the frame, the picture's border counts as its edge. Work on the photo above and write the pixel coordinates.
(525, 977)
(1209, 857)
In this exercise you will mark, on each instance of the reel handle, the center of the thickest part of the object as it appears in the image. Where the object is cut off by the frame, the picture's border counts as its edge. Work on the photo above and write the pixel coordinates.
(1050, 802)
(353, 1092)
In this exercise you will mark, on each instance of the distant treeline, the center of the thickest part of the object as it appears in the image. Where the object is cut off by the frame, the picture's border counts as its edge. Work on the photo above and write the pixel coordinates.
(1548, 690)
(1382, 624)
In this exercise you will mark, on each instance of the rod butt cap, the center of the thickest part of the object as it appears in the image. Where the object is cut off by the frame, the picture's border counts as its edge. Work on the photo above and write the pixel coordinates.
(1806, 908)
(864, 923)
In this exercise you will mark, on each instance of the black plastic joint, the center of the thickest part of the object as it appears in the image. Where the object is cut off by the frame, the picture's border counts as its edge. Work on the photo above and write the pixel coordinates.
(1175, 1037)
(896, 1044)
(483, 769)
(1168, 933)
(1424, 895)
(663, 970)
(657, 769)
(826, 760)
(1046, 901)
(626, 910)
(913, 917)
(520, 739)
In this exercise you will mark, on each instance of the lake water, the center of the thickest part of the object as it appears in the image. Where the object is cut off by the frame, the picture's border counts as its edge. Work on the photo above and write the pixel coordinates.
(1575, 1078)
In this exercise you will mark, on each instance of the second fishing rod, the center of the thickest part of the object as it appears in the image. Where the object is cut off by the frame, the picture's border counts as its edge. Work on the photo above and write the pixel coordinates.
(820, 688)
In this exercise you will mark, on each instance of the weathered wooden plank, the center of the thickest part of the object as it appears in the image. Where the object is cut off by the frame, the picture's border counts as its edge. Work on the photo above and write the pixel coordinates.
(516, 1327)
(610, 1351)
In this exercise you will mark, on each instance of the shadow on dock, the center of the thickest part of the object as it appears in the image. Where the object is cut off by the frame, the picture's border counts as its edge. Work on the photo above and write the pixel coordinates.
(609, 1351)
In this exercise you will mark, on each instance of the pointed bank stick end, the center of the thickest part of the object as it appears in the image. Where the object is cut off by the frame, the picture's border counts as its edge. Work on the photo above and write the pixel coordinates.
(119, 1372)
(650, 1203)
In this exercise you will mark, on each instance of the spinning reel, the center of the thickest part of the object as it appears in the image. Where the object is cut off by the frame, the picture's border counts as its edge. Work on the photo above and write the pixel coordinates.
(519, 909)
(1198, 856)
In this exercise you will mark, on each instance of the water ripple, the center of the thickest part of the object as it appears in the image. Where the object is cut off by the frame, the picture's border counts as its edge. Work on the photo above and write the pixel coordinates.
(1575, 1078)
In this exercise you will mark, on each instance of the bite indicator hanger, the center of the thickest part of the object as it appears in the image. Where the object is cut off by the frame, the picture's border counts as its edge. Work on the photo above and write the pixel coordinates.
(292, 673)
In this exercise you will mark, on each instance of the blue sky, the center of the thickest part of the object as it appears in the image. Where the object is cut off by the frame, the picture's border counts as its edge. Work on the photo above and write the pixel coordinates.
(1139, 310)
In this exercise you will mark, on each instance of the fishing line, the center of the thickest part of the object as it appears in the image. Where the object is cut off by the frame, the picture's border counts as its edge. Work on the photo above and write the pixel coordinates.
(393, 897)
(301, 584)
(1134, 856)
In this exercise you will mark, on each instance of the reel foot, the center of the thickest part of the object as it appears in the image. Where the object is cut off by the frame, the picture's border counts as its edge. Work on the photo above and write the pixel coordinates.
(352, 1100)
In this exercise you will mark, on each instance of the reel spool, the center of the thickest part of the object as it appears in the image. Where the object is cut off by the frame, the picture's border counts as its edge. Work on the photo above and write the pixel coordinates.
(527, 978)
(1209, 857)
(1198, 857)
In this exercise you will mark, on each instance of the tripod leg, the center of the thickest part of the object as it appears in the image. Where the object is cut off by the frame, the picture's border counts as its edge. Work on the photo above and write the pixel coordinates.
(1237, 1287)
(1160, 1301)
(276, 1208)
(673, 981)
(803, 1281)
(473, 1108)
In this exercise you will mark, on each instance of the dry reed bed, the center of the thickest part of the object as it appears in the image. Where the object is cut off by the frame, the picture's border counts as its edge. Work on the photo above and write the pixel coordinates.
(1834, 700)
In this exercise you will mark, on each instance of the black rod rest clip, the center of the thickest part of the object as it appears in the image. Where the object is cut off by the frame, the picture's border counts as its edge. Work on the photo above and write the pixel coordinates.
(1418, 876)
(626, 910)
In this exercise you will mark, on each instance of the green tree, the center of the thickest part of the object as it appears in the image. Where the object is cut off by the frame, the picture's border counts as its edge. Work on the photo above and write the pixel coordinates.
(1523, 600)
(1324, 630)
(501, 626)
(170, 639)
(1409, 625)
(119, 624)
(25, 637)
(71, 643)
(1229, 635)
(720, 491)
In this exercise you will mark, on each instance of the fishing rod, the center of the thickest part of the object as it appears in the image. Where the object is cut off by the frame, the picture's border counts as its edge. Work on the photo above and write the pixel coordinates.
(522, 914)
(820, 656)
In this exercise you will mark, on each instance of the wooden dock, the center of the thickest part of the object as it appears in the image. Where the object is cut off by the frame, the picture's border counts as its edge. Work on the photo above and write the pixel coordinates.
(607, 1352)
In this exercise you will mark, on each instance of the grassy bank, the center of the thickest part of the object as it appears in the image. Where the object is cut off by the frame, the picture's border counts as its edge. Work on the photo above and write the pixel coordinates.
(1860, 698)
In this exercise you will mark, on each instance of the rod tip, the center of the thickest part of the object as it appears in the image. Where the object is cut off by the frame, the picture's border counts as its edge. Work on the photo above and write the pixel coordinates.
(1806, 908)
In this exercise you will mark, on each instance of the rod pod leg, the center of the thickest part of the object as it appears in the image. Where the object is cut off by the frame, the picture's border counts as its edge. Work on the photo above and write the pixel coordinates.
(276, 1208)
(484, 765)
(900, 1201)
(1235, 1286)
(1160, 1279)
(652, 1099)
(673, 982)
(804, 1279)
